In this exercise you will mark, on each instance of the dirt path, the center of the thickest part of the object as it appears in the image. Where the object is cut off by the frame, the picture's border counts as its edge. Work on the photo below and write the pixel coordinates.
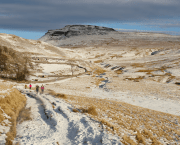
(55, 123)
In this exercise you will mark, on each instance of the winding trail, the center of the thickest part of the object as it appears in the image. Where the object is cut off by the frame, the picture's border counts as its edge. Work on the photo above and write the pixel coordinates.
(54, 122)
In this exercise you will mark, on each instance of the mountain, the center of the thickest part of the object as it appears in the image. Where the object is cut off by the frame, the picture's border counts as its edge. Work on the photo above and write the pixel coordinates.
(70, 31)
(77, 36)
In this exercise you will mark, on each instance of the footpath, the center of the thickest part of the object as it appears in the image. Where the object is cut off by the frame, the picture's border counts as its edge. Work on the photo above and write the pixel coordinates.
(54, 123)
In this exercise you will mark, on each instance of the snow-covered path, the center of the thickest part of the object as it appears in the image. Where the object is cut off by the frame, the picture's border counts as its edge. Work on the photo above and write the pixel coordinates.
(59, 124)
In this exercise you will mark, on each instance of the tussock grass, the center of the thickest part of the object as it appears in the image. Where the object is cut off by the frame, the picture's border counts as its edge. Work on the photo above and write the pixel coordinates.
(91, 110)
(5, 86)
(136, 79)
(147, 71)
(75, 110)
(61, 96)
(99, 55)
(57, 95)
(144, 125)
(12, 104)
(118, 71)
(128, 140)
(98, 81)
(116, 55)
(140, 138)
(135, 65)
(98, 70)
(24, 115)
(98, 61)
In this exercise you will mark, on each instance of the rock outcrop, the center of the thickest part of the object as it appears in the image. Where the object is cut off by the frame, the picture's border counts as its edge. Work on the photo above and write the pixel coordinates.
(75, 30)
(76, 36)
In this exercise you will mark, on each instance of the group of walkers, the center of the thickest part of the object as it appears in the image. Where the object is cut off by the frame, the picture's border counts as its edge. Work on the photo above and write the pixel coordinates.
(37, 88)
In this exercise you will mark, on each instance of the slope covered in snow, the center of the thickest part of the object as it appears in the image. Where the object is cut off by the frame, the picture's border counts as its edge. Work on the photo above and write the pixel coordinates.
(130, 79)
(54, 122)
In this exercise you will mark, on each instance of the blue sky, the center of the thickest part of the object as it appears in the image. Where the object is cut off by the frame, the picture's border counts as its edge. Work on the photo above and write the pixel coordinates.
(25, 34)
(32, 19)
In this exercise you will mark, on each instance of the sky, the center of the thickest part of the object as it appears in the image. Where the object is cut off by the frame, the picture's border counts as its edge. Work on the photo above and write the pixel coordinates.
(31, 19)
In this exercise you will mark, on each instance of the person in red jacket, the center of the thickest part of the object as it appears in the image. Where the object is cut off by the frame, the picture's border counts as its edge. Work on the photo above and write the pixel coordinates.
(42, 89)
(30, 86)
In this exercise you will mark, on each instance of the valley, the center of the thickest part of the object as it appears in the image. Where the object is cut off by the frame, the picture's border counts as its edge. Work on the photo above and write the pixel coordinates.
(114, 88)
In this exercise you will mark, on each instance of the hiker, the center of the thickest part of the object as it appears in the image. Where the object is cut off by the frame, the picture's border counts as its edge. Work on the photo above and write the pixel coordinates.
(30, 86)
(25, 86)
(37, 89)
(42, 89)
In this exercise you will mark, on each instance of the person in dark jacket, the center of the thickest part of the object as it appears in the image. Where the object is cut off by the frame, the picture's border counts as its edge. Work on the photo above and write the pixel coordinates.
(37, 89)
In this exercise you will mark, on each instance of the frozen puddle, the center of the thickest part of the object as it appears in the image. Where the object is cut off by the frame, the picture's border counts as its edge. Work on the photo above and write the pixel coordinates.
(59, 125)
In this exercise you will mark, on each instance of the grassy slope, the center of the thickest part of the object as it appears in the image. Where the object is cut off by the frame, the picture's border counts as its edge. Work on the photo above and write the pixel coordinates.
(12, 103)
(132, 123)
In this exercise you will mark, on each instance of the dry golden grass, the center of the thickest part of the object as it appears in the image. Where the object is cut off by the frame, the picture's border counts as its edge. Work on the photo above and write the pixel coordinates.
(118, 71)
(91, 110)
(99, 55)
(24, 115)
(142, 123)
(147, 71)
(53, 106)
(5, 86)
(98, 61)
(98, 70)
(136, 79)
(61, 96)
(115, 55)
(57, 95)
(128, 140)
(75, 110)
(12, 104)
(98, 81)
(137, 65)
(140, 138)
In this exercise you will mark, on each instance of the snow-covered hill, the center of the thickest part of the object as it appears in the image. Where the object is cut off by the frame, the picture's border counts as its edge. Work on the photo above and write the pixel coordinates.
(130, 79)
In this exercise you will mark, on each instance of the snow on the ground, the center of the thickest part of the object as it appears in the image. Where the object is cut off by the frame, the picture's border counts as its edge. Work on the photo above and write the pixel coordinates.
(5, 91)
(59, 125)
(150, 102)
(48, 68)
(153, 101)
(174, 72)
(4, 128)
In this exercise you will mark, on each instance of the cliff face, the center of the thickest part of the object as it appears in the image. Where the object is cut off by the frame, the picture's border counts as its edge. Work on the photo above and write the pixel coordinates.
(75, 30)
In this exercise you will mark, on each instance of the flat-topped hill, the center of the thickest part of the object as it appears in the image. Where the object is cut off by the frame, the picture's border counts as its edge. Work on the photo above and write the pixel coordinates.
(76, 30)
(90, 35)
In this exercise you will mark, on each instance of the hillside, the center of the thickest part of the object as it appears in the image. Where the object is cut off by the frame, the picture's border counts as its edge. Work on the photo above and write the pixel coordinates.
(110, 88)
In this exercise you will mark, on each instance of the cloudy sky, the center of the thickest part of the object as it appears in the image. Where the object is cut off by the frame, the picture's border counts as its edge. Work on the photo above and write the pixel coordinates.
(33, 18)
